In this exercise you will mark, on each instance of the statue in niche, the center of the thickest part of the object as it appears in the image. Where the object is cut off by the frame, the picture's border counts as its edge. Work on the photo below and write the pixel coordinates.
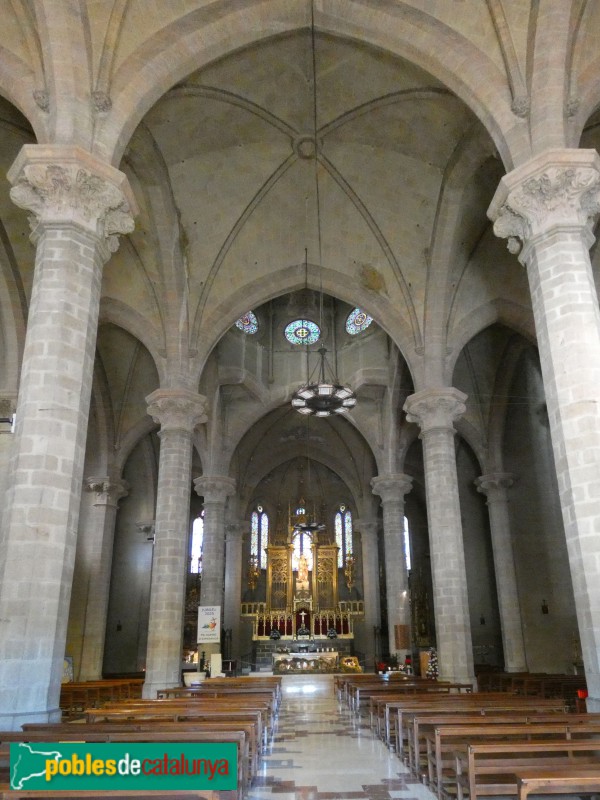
(302, 577)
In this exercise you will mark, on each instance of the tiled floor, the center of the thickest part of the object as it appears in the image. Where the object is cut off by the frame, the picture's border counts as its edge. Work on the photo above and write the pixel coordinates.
(321, 751)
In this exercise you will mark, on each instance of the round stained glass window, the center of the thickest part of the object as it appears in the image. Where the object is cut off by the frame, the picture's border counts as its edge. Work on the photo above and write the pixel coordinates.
(357, 321)
(248, 323)
(302, 331)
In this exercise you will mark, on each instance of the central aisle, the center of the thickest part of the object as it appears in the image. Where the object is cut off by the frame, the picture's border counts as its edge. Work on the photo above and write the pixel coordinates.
(321, 751)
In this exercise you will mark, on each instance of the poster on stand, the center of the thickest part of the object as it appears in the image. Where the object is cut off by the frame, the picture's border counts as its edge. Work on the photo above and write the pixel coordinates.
(209, 624)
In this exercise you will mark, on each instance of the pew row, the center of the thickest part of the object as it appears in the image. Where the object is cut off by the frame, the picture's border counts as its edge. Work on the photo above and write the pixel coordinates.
(490, 768)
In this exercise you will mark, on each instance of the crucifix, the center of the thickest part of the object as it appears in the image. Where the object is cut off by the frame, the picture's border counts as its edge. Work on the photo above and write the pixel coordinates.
(302, 615)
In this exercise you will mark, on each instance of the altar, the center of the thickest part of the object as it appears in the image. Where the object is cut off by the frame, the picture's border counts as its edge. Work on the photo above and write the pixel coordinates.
(301, 595)
(305, 663)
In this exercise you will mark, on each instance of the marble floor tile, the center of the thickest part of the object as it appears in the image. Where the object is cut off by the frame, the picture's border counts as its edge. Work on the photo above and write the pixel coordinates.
(321, 751)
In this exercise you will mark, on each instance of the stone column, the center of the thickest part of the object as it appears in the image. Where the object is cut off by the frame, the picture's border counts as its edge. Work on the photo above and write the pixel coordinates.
(78, 206)
(178, 411)
(435, 411)
(370, 575)
(97, 547)
(392, 488)
(215, 489)
(549, 204)
(494, 486)
(233, 582)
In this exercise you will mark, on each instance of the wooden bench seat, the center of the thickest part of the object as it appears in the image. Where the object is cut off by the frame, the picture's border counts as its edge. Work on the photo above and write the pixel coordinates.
(181, 710)
(489, 768)
(422, 728)
(378, 699)
(428, 731)
(569, 779)
(77, 695)
(475, 704)
(449, 739)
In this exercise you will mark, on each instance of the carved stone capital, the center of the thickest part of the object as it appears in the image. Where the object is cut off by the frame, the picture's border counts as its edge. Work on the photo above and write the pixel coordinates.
(520, 105)
(8, 405)
(235, 531)
(108, 492)
(494, 485)
(391, 487)
(557, 188)
(177, 409)
(63, 184)
(435, 408)
(214, 488)
(367, 528)
(146, 527)
(42, 99)
(101, 101)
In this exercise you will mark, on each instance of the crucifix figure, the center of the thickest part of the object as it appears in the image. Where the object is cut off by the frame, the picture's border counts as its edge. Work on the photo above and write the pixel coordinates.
(302, 615)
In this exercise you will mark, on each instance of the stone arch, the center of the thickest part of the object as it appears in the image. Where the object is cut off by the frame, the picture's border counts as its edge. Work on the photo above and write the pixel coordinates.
(292, 278)
(17, 85)
(124, 316)
(204, 36)
(514, 316)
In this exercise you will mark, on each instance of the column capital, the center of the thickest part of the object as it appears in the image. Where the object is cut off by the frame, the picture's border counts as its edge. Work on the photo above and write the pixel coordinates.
(435, 408)
(214, 488)
(366, 527)
(557, 188)
(494, 484)
(63, 184)
(236, 530)
(146, 526)
(391, 486)
(177, 409)
(8, 404)
(108, 491)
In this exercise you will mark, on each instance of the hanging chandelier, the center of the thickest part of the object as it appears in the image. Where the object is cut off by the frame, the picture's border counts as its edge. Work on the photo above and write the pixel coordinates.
(325, 396)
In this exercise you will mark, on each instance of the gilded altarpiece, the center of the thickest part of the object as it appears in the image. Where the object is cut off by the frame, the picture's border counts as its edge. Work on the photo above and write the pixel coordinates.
(279, 577)
(302, 597)
(325, 587)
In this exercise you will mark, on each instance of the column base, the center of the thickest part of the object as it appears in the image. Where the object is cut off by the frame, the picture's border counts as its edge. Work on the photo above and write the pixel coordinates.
(15, 721)
(149, 690)
(459, 679)
(593, 705)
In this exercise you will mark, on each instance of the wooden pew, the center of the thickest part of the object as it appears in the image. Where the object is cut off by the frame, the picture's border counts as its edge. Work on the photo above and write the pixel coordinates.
(268, 683)
(569, 779)
(450, 702)
(83, 694)
(181, 709)
(454, 738)
(489, 768)
(424, 727)
(244, 722)
(476, 703)
(242, 694)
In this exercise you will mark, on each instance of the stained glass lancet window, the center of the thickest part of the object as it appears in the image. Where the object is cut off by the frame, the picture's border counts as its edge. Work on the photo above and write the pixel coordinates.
(343, 533)
(248, 323)
(407, 545)
(259, 536)
(302, 331)
(302, 546)
(196, 544)
(357, 321)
